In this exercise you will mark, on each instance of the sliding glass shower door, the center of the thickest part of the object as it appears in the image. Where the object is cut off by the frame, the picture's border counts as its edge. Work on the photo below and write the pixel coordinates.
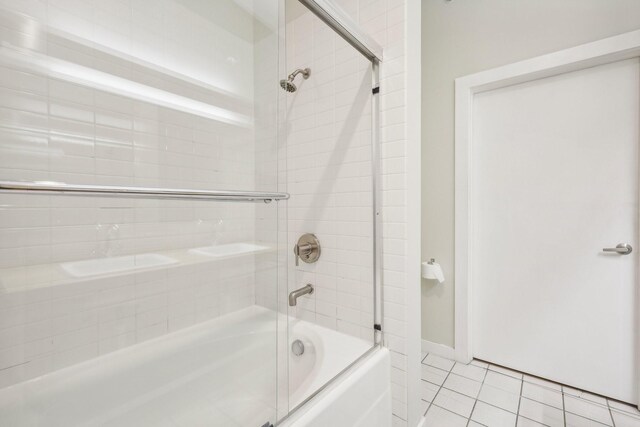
(139, 212)
(331, 153)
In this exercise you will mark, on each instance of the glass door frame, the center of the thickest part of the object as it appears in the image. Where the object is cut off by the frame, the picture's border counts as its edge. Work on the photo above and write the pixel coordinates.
(344, 26)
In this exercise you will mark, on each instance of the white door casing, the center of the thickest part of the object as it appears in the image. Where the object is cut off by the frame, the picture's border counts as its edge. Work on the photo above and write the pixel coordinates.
(558, 308)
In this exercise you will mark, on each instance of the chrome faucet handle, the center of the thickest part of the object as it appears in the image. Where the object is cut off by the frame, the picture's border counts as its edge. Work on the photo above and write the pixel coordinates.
(303, 250)
(307, 249)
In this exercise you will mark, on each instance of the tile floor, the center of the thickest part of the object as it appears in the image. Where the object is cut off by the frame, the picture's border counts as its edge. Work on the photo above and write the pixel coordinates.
(481, 394)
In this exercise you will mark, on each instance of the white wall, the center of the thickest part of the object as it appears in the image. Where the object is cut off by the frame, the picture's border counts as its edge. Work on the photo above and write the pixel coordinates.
(460, 38)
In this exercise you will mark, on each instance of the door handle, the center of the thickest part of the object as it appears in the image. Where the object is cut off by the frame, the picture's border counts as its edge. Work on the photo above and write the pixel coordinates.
(621, 248)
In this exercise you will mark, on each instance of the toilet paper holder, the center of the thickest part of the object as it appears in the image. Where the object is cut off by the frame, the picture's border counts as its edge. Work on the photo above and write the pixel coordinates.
(432, 270)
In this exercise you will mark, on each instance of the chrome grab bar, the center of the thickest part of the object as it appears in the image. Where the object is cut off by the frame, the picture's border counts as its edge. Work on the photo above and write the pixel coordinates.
(137, 192)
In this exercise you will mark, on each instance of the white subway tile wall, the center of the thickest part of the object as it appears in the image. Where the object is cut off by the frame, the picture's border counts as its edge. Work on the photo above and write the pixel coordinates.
(128, 92)
(329, 169)
(67, 114)
(384, 20)
(312, 176)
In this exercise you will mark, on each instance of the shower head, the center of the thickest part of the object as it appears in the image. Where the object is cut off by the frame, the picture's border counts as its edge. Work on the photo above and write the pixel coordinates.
(288, 84)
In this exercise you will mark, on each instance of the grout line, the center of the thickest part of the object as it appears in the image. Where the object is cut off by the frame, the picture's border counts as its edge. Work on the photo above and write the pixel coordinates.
(537, 422)
(519, 399)
(613, 422)
(486, 370)
(440, 387)
(564, 412)
(482, 383)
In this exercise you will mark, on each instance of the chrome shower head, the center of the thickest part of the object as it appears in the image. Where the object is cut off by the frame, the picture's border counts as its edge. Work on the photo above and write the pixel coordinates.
(288, 84)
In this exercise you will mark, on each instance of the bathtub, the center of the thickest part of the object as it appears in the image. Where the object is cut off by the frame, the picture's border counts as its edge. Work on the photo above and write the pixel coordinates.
(360, 397)
(217, 373)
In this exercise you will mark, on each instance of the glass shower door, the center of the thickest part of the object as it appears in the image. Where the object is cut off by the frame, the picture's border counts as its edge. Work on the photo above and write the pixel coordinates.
(138, 213)
(330, 164)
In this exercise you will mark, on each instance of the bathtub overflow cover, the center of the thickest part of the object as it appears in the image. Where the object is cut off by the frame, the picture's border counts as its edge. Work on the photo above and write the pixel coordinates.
(297, 347)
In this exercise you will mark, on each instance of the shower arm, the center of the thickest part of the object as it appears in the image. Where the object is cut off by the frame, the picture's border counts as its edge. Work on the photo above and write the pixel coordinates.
(305, 73)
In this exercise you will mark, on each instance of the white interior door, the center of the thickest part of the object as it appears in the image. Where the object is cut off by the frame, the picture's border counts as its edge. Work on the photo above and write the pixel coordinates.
(555, 180)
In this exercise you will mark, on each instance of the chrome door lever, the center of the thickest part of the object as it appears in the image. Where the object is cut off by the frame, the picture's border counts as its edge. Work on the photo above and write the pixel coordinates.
(621, 248)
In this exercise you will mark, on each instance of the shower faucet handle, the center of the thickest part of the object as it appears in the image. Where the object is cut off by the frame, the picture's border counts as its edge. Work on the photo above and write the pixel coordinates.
(301, 249)
(307, 249)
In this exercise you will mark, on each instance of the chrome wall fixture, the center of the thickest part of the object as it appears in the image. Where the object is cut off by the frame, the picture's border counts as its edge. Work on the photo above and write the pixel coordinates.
(137, 192)
(288, 84)
(294, 295)
(307, 249)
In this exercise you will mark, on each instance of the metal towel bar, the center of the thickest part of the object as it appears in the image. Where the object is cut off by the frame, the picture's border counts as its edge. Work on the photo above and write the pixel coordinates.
(137, 192)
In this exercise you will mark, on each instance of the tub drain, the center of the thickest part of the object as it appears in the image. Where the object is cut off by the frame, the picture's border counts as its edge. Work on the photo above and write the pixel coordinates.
(297, 348)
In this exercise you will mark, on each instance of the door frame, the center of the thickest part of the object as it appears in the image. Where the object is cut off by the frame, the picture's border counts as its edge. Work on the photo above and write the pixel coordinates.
(612, 49)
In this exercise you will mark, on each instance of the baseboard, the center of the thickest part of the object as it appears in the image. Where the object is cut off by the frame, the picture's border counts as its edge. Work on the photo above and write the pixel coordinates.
(438, 349)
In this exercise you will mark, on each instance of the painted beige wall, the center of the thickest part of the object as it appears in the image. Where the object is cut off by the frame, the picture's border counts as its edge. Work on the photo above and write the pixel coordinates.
(462, 37)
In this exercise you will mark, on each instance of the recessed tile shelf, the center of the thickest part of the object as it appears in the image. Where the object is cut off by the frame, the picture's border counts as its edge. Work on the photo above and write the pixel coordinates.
(32, 277)
(231, 249)
(119, 264)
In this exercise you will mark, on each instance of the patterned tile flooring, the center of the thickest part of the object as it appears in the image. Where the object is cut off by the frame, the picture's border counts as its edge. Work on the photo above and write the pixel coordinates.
(482, 394)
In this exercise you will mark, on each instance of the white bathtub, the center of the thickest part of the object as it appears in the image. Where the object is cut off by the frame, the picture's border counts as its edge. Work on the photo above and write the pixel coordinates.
(360, 397)
(218, 373)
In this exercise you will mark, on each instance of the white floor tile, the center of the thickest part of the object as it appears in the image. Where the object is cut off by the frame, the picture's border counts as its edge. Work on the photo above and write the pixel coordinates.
(492, 416)
(454, 402)
(428, 391)
(480, 395)
(500, 398)
(542, 395)
(544, 414)
(479, 363)
(438, 362)
(438, 417)
(625, 420)
(587, 409)
(542, 382)
(584, 395)
(463, 385)
(573, 420)
(469, 371)
(506, 371)
(504, 382)
(526, 422)
(433, 375)
(624, 407)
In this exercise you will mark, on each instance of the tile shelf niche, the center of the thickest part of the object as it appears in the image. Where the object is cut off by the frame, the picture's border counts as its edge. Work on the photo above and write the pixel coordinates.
(29, 278)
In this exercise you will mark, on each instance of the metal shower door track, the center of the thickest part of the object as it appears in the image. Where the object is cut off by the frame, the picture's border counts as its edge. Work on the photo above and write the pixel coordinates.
(342, 24)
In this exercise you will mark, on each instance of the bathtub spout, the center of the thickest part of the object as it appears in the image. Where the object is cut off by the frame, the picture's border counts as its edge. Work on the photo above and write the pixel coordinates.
(294, 295)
